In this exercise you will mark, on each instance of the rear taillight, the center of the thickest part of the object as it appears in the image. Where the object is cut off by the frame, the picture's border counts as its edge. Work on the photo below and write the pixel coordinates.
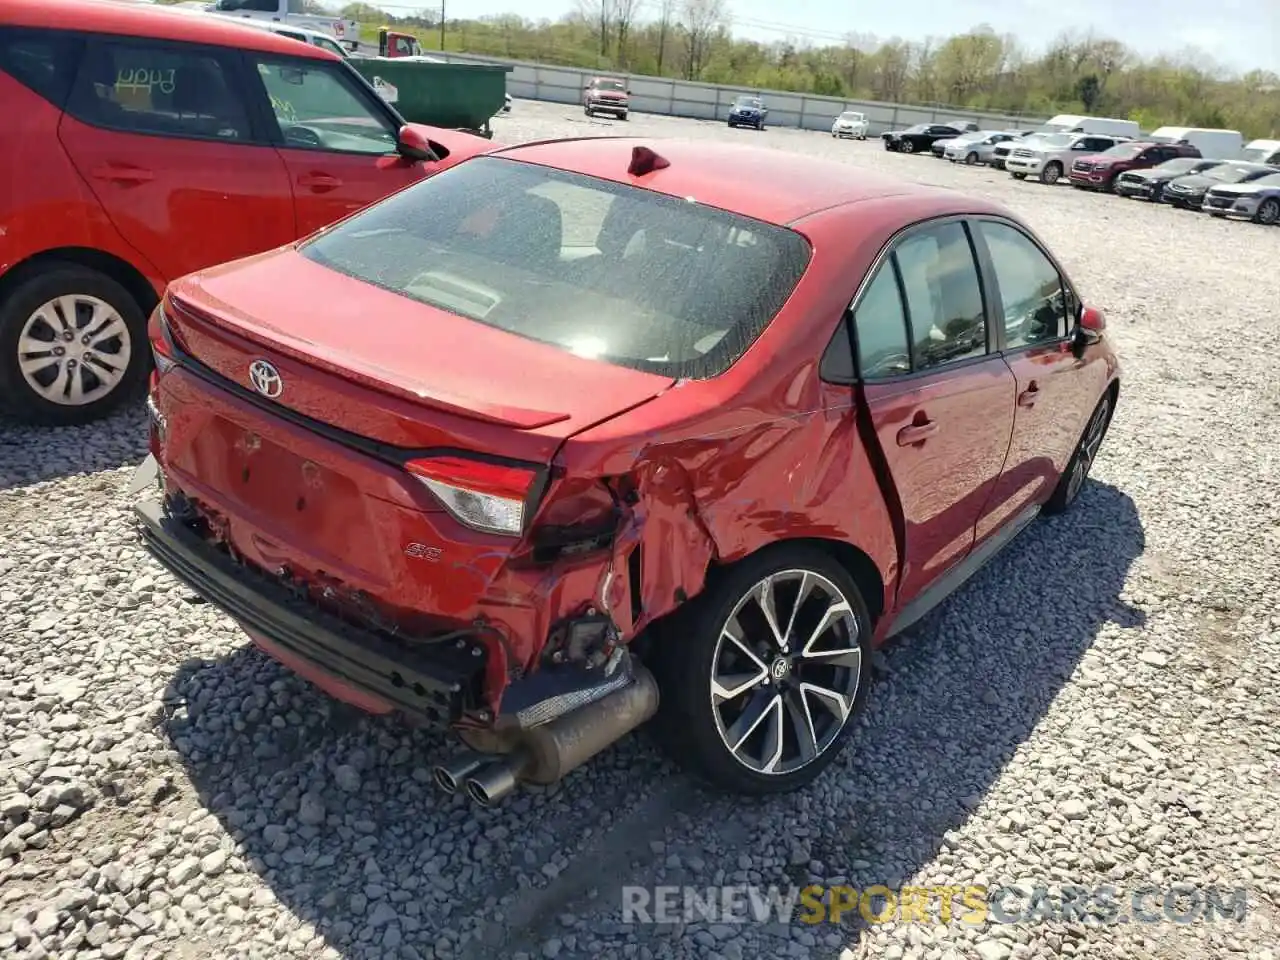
(489, 497)
(161, 338)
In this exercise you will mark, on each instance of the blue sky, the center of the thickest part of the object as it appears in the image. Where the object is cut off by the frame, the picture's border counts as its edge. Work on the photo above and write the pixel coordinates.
(1238, 34)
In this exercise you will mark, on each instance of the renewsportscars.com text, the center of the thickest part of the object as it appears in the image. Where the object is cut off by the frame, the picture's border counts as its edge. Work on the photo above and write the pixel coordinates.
(973, 905)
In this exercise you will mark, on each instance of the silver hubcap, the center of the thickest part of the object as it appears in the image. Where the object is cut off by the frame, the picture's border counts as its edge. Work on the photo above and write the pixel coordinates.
(74, 350)
(1269, 212)
(785, 672)
(1088, 450)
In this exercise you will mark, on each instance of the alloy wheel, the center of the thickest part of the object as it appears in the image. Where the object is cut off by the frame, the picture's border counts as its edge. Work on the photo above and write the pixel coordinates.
(785, 672)
(1269, 211)
(74, 350)
(1088, 451)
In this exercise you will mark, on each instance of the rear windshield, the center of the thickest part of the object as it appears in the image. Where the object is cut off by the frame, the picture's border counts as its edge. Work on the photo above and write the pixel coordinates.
(600, 269)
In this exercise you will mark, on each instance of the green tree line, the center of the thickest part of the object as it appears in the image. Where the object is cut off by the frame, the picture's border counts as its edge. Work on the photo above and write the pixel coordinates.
(980, 70)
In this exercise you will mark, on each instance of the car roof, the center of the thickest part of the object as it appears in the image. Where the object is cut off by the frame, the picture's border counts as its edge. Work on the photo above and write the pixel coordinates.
(758, 182)
(151, 20)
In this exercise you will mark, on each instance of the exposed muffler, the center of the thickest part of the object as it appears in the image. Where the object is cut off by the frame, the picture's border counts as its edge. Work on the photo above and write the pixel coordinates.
(548, 752)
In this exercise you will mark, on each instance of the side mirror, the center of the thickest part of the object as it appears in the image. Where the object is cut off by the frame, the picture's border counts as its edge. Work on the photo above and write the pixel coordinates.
(412, 145)
(628, 93)
(1088, 330)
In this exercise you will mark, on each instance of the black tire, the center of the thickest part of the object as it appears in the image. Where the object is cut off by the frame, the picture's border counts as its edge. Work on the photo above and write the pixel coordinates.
(64, 279)
(1268, 212)
(1017, 176)
(1051, 173)
(1082, 458)
(971, 158)
(586, 110)
(622, 116)
(686, 653)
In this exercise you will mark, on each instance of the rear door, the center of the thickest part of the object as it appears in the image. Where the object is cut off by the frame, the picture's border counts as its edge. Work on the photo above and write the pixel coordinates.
(1035, 307)
(336, 138)
(163, 135)
(940, 400)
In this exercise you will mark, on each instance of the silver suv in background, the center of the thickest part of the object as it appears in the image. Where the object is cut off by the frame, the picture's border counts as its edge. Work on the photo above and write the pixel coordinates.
(1049, 156)
(978, 147)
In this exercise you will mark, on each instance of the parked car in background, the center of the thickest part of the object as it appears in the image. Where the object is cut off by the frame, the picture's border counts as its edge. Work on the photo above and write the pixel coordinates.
(166, 141)
(1261, 151)
(1188, 191)
(606, 95)
(1149, 184)
(919, 138)
(939, 147)
(1257, 200)
(748, 111)
(572, 291)
(978, 147)
(1211, 142)
(852, 124)
(1099, 171)
(345, 30)
(1049, 156)
(1000, 152)
(324, 41)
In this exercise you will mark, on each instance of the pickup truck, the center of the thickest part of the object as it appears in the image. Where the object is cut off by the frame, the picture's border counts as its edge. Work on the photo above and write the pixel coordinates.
(346, 32)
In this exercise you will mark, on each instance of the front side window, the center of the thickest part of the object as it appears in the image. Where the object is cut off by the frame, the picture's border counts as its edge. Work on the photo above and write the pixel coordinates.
(1031, 290)
(944, 295)
(604, 270)
(319, 107)
(165, 90)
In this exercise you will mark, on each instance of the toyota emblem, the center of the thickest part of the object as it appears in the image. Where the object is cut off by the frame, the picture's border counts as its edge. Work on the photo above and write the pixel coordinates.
(266, 379)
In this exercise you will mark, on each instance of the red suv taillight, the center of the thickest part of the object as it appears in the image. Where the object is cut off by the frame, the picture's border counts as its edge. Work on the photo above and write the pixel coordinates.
(489, 497)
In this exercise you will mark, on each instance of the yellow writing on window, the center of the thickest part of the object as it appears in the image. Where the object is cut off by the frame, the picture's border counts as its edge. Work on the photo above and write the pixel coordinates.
(141, 79)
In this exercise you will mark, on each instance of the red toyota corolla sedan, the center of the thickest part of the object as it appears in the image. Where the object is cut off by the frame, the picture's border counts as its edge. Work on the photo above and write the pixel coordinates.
(580, 432)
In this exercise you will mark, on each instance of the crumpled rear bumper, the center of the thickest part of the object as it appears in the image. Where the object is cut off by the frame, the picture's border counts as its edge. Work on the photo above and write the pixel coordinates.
(432, 680)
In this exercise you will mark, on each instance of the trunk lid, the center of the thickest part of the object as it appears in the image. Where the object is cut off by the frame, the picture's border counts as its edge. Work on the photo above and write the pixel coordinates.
(389, 369)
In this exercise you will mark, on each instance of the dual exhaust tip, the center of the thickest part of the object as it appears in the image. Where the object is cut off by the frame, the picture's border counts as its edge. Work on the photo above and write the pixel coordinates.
(487, 782)
(546, 753)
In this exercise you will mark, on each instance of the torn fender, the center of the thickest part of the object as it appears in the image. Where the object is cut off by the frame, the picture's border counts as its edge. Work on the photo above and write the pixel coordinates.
(661, 552)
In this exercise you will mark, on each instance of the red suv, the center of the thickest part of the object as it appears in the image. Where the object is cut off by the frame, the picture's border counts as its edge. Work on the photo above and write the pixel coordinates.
(604, 441)
(142, 144)
(606, 95)
(1098, 171)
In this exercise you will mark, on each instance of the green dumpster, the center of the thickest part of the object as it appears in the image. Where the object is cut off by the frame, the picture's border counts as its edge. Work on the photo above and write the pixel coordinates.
(464, 96)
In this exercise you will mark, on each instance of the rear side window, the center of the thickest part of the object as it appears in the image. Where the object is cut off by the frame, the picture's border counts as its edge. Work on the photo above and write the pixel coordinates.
(597, 268)
(881, 324)
(169, 90)
(44, 61)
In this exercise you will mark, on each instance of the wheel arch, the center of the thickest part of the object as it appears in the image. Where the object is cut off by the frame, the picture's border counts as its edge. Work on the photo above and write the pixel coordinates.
(121, 271)
(856, 562)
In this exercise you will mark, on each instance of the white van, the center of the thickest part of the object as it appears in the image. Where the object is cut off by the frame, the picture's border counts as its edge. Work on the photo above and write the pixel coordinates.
(1106, 126)
(1261, 151)
(1213, 144)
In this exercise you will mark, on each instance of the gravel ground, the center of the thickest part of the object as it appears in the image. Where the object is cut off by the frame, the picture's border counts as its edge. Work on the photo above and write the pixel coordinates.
(1097, 707)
